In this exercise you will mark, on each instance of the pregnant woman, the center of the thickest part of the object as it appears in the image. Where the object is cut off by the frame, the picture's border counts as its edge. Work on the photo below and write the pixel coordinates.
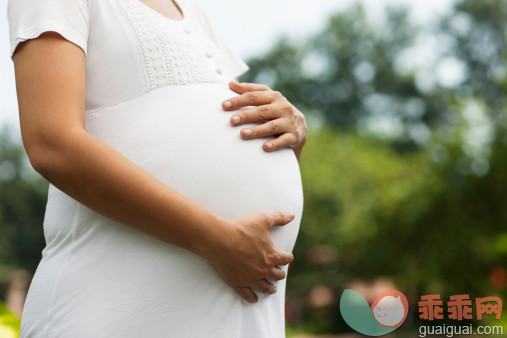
(175, 194)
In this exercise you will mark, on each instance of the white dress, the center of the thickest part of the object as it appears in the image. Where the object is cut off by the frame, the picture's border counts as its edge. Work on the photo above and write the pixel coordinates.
(154, 93)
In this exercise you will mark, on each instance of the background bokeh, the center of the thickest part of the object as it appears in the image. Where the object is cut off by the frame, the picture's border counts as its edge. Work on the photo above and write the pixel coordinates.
(404, 170)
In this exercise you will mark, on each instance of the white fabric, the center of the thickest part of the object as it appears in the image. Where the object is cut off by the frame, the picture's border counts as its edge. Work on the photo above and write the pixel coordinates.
(154, 93)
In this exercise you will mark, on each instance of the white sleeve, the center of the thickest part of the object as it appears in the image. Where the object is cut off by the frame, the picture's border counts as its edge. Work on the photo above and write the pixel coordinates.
(236, 65)
(28, 19)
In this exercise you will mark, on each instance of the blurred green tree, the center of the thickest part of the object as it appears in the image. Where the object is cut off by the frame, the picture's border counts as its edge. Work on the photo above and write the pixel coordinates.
(23, 195)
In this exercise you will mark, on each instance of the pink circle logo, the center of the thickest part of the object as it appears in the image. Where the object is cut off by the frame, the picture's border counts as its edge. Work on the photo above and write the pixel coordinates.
(390, 308)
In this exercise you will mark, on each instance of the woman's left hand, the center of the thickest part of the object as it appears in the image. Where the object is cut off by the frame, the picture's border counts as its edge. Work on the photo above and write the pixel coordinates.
(286, 121)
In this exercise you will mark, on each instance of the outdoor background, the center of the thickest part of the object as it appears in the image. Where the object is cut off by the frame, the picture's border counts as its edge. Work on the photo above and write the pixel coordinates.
(404, 170)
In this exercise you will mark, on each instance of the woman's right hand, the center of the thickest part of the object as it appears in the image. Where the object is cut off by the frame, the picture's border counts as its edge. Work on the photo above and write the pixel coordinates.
(247, 257)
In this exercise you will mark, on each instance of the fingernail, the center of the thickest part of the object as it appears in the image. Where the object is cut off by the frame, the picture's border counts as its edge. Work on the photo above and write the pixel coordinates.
(290, 214)
(235, 119)
(269, 145)
(247, 132)
(227, 104)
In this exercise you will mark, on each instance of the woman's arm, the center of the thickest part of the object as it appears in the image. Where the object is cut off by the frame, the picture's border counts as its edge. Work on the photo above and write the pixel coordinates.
(51, 82)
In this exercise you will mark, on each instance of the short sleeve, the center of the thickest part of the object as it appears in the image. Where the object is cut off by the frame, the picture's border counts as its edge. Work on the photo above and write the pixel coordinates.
(236, 65)
(28, 19)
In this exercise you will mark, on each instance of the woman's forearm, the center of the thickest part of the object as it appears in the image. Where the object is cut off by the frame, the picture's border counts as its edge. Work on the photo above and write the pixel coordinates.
(98, 176)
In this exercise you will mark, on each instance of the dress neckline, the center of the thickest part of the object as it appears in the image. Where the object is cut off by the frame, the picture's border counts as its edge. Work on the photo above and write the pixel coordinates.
(160, 15)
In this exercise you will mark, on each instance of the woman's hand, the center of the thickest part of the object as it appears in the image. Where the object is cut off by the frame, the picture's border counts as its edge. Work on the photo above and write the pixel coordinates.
(286, 121)
(246, 257)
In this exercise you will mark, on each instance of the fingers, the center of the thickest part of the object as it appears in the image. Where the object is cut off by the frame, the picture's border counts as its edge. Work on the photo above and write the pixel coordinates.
(264, 112)
(276, 273)
(285, 257)
(244, 87)
(272, 127)
(255, 98)
(264, 286)
(284, 140)
(277, 218)
(247, 294)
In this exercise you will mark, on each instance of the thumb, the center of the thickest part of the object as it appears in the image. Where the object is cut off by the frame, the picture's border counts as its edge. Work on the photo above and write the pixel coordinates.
(279, 218)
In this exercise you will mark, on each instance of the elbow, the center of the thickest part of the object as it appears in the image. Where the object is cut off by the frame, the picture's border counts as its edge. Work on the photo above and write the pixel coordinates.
(44, 154)
(50, 155)
(39, 160)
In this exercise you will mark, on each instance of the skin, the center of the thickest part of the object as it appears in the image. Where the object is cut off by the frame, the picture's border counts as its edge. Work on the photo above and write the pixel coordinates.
(167, 8)
(50, 83)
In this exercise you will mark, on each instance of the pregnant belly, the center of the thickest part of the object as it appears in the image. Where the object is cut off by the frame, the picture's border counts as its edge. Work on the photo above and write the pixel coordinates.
(182, 136)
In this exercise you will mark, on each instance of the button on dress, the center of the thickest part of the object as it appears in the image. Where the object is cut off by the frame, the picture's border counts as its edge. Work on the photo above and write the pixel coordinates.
(154, 88)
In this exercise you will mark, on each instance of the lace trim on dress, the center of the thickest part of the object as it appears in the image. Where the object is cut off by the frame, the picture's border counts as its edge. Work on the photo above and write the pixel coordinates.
(167, 55)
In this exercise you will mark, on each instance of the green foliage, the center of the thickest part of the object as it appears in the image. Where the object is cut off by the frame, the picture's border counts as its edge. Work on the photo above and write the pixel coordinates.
(386, 213)
(356, 191)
